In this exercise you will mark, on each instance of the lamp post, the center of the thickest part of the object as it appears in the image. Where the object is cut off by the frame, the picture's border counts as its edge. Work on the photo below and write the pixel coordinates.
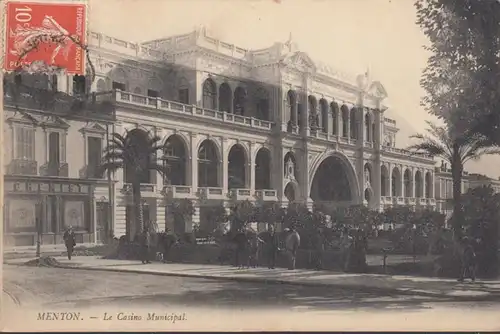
(38, 223)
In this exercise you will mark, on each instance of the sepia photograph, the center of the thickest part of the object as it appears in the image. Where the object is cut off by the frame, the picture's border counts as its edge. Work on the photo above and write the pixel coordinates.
(250, 165)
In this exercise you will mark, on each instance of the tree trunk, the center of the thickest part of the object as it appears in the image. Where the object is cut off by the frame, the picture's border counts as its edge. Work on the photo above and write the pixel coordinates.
(139, 215)
(456, 171)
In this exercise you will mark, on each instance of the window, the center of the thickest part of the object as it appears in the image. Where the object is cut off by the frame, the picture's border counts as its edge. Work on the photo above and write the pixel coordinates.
(94, 145)
(184, 95)
(25, 143)
(118, 85)
(79, 85)
(54, 152)
(54, 82)
(153, 93)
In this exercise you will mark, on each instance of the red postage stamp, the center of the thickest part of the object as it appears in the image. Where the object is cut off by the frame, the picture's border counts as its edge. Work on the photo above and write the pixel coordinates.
(50, 32)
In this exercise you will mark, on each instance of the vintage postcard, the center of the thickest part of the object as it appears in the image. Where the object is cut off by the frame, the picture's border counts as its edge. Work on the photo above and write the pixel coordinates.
(269, 165)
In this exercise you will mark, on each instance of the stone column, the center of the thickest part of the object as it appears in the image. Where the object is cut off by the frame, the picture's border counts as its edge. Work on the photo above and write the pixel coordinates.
(225, 166)
(251, 165)
(193, 163)
(412, 184)
(403, 190)
(348, 124)
(339, 123)
(424, 185)
(376, 181)
(62, 83)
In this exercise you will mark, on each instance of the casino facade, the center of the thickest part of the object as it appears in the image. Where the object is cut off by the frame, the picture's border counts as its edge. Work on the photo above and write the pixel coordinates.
(260, 125)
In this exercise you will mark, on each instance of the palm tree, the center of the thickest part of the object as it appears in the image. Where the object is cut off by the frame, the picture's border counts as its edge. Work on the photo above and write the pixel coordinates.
(138, 156)
(442, 142)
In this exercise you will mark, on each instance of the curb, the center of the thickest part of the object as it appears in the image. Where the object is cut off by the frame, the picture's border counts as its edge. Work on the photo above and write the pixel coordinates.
(361, 288)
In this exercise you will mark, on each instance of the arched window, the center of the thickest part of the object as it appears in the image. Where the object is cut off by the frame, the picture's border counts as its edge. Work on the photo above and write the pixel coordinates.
(209, 94)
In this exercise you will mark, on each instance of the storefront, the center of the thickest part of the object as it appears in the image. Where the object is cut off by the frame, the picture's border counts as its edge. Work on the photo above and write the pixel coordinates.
(48, 206)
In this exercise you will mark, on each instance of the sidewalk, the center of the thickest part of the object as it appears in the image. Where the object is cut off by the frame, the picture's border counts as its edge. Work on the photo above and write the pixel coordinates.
(409, 285)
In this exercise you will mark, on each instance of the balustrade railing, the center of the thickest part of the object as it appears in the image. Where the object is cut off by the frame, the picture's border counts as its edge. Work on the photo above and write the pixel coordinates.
(161, 104)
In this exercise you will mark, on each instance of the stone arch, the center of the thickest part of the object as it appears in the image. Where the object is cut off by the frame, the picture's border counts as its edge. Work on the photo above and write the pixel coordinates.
(345, 120)
(101, 85)
(368, 127)
(209, 158)
(239, 101)
(263, 169)
(313, 117)
(419, 183)
(428, 185)
(237, 166)
(138, 90)
(176, 156)
(342, 184)
(139, 138)
(155, 87)
(262, 104)
(324, 124)
(290, 166)
(408, 183)
(119, 79)
(353, 117)
(209, 94)
(368, 173)
(291, 191)
(384, 181)
(292, 108)
(184, 91)
(368, 196)
(225, 97)
(396, 190)
(334, 109)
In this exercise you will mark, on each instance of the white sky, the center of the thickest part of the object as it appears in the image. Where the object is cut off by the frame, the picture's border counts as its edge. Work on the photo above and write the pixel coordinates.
(351, 35)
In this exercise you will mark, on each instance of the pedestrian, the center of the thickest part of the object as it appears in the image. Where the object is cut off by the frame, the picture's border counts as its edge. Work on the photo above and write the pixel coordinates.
(346, 248)
(146, 242)
(292, 243)
(271, 246)
(468, 262)
(69, 240)
(318, 247)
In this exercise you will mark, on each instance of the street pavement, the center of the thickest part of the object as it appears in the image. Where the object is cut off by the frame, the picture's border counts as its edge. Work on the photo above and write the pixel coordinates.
(224, 304)
(409, 285)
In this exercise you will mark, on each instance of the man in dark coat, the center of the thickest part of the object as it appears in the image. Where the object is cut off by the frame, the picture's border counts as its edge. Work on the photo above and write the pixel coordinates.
(167, 242)
(319, 248)
(145, 244)
(468, 268)
(271, 246)
(69, 241)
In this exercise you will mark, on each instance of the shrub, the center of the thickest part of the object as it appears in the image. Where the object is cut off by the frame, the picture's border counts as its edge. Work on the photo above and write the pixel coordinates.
(481, 209)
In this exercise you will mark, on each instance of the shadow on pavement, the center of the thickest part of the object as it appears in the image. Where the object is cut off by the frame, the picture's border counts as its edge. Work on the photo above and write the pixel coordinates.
(249, 295)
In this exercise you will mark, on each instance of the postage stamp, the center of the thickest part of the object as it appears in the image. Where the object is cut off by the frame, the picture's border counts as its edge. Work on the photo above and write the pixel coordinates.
(50, 32)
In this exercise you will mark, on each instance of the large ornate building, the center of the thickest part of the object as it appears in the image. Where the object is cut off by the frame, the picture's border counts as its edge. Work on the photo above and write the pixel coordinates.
(238, 124)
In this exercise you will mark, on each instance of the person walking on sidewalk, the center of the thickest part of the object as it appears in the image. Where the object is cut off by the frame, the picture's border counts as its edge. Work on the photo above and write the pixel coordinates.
(69, 240)
(145, 244)
(271, 246)
(468, 263)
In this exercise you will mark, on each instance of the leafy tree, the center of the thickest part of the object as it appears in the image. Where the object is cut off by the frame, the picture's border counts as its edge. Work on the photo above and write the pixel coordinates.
(138, 156)
(482, 219)
(441, 141)
(211, 216)
(463, 71)
(269, 213)
(241, 215)
(183, 210)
